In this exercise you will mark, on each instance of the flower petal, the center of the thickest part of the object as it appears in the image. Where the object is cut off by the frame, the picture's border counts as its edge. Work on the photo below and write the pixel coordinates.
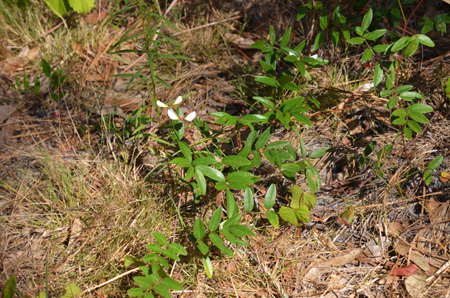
(178, 100)
(190, 116)
(161, 104)
(172, 114)
(314, 56)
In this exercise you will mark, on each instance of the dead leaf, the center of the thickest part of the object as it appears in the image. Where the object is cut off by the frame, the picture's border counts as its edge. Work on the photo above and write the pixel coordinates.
(239, 41)
(75, 231)
(404, 248)
(19, 61)
(404, 271)
(395, 228)
(346, 217)
(415, 285)
(445, 177)
(95, 17)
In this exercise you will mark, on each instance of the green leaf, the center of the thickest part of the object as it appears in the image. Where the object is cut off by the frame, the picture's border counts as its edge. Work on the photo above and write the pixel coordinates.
(272, 37)
(428, 177)
(208, 267)
(155, 247)
(381, 48)
(216, 240)
(46, 68)
(288, 215)
(265, 101)
(240, 230)
(10, 287)
(319, 40)
(399, 121)
(277, 145)
(367, 20)
(263, 139)
(296, 194)
(374, 35)
(59, 7)
(319, 152)
(135, 292)
(285, 40)
(199, 229)
(160, 238)
(347, 216)
(356, 40)
(435, 163)
(202, 247)
(410, 95)
(171, 283)
(311, 179)
(272, 217)
(267, 81)
(201, 181)
(232, 207)
(400, 113)
(423, 39)
(400, 44)
(214, 223)
(229, 236)
(206, 161)
(185, 150)
(335, 37)
(301, 12)
(150, 258)
(162, 290)
(378, 75)
(420, 108)
(414, 126)
(177, 248)
(366, 55)
(309, 200)
(411, 47)
(249, 201)
(323, 20)
(418, 117)
(233, 160)
(144, 282)
(302, 214)
(240, 179)
(171, 254)
(271, 195)
(211, 173)
(82, 6)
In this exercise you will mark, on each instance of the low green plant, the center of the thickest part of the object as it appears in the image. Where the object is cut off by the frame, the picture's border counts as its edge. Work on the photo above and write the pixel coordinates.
(10, 287)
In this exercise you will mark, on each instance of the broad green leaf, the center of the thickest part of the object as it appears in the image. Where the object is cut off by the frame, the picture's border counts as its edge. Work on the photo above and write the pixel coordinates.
(144, 282)
(46, 68)
(272, 217)
(211, 173)
(206, 161)
(199, 229)
(232, 207)
(201, 181)
(155, 247)
(374, 35)
(272, 37)
(71, 291)
(390, 79)
(400, 44)
(202, 247)
(208, 267)
(229, 236)
(150, 258)
(171, 254)
(411, 47)
(160, 238)
(400, 113)
(296, 195)
(277, 145)
(285, 39)
(367, 20)
(370, 148)
(302, 214)
(240, 230)
(420, 108)
(410, 95)
(347, 216)
(10, 288)
(319, 152)
(378, 75)
(172, 284)
(423, 39)
(291, 167)
(216, 240)
(177, 248)
(288, 215)
(418, 117)
(271, 195)
(301, 12)
(319, 40)
(414, 126)
(249, 201)
(309, 200)
(59, 7)
(435, 163)
(135, 292)
(265, 101)
(356, 40)
(233, 160)
(428, 177)
(335, 37)
(215, 220)
(312, 180)
(381, 48)
(408, 132)
(323, 20)
(162, 290)
(263, 139)
(267, 81)
(366, 55)
(82, 6)
(399, 121)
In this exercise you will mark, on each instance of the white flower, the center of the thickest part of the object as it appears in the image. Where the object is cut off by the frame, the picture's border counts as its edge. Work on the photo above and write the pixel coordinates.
(161, 104)
(291, 54)
(314, 56)
(190, 116)
(178, 100)
(172, 114)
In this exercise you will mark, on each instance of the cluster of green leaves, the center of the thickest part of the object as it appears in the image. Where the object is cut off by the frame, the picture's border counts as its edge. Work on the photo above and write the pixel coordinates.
(432, 165)
(218, 230)
(156, 279)
(439, 22)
